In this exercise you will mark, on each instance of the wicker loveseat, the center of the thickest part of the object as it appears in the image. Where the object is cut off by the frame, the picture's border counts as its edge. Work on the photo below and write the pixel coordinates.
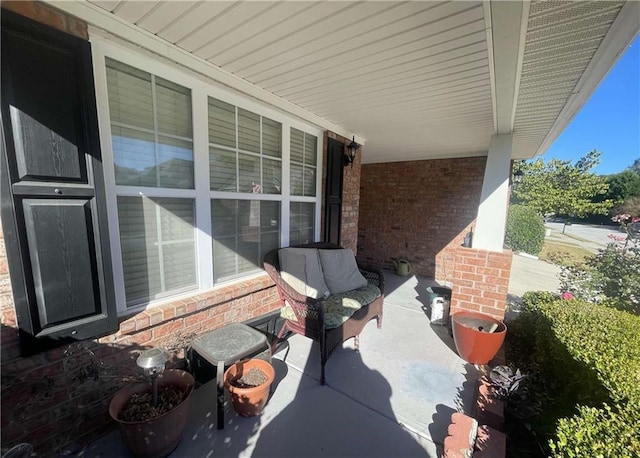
(332, 318)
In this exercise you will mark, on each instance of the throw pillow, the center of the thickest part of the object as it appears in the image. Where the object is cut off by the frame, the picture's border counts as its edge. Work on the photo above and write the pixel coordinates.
(341, 270)
(314, 284)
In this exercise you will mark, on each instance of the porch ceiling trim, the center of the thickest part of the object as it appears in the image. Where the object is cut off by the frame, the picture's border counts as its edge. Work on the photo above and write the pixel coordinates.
(622, 32)
(113, 25)
(506, 44)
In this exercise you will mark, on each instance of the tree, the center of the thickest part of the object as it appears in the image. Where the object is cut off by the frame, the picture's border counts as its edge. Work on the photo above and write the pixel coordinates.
(563, 188)
(623, 185)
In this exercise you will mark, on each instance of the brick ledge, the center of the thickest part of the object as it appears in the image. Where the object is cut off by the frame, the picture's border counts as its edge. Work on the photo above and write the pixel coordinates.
(184, 307)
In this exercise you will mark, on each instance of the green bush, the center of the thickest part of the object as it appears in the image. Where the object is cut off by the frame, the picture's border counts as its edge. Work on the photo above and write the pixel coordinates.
(525, 230)
(611, 277)
(584, 361)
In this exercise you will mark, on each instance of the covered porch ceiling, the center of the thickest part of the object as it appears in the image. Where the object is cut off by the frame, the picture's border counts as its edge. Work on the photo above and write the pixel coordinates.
(413, 80)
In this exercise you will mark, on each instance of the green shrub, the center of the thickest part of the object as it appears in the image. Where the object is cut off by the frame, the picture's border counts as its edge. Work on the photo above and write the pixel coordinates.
(525, 230)
(611, 277)
(584, 362)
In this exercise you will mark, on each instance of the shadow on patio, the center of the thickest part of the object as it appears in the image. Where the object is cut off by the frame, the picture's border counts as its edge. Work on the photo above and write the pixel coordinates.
(393, 398)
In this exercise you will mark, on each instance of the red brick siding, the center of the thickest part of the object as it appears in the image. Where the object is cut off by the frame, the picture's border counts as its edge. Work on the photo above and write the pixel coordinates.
(481, 281)
(418, 210)
(45, 14)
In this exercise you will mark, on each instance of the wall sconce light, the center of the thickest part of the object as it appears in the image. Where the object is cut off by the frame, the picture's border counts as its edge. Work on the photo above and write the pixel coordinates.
(350, 155)
(517, 176)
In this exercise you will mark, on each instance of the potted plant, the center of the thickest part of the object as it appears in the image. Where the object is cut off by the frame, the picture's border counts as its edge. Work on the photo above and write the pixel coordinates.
(477, 336)
(249, 384)
(151, 416)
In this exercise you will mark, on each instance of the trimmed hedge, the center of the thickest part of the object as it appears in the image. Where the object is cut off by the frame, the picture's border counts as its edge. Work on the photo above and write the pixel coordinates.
(525, 230)
(586, 361)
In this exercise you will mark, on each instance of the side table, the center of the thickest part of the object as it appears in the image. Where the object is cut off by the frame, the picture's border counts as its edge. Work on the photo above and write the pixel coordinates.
(225, 346)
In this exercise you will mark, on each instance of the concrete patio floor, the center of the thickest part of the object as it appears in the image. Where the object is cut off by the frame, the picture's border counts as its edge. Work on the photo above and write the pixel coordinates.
(393, 398)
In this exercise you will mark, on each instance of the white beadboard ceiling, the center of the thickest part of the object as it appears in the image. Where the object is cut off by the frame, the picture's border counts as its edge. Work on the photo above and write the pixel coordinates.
(414, 79)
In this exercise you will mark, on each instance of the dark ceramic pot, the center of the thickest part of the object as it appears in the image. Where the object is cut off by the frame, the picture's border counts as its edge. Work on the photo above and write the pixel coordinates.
(473, 341)
(160, 436)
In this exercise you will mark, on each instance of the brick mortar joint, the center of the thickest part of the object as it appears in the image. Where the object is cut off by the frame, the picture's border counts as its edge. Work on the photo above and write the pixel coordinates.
(258, 286)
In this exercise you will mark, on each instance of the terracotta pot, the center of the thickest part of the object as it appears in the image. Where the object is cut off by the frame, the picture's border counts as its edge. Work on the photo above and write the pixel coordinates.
(473, 345)
(160, 436)
(249, 402)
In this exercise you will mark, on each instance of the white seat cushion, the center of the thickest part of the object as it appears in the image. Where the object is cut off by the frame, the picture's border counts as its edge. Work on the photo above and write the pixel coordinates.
(301, 269)
(341, 270)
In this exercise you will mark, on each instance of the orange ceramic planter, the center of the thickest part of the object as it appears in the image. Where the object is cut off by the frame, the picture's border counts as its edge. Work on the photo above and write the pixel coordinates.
(249, 402)
(474, 345)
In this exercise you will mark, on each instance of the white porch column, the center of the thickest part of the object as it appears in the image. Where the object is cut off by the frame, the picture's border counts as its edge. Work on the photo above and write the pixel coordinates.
(492, 212)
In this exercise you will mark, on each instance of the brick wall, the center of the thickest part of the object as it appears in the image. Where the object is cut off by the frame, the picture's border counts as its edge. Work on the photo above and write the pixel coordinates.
(418, 210)
(422, 211)
(350, 195)
(57, 399)
(481, 281)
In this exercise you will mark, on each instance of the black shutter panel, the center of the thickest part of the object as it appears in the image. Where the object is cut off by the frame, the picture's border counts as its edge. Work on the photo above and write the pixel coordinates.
(53, 204)
(333, 199)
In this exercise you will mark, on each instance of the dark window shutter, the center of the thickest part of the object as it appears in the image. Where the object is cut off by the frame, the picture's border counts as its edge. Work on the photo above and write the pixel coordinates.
(53, 204)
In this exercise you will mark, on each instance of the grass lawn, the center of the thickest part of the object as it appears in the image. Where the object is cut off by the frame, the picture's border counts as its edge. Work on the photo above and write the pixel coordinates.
(562, 254)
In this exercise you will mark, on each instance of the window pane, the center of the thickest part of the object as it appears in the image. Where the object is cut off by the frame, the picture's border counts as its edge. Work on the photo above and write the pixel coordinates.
(248, 131)
(310, 149)
(224, 257)
(222, 123)
(133, 157)
(309, 181)
(130, 100)
(243, 231)
(173, 105)
(249, 173)
(297, 145)
(175, 163)
(302, 223)
(223, 213)
(296, 180)
(222, 170)
(157, 258)
(271, 176)
(271, 138)
(179, 266)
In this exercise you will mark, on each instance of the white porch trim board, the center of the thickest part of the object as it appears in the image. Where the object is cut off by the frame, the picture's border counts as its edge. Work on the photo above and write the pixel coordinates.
(492, 212)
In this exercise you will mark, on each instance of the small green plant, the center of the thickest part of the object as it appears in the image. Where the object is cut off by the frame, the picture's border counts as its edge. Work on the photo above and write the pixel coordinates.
(525, 230)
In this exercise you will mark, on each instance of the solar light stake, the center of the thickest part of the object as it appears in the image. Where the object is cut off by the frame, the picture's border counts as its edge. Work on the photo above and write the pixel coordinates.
(152, 362)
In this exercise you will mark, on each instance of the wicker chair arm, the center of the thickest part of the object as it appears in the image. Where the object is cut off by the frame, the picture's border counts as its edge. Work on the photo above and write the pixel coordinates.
(373, 275)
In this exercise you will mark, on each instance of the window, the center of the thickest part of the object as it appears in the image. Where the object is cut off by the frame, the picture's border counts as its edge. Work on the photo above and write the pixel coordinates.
(158, 246)
(245, 150)
(199, 201)
(243, 232)
(303, 163)
(152, 143)
(245, 156)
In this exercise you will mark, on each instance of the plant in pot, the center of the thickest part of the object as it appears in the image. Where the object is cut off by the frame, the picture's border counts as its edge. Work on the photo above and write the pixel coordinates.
(249, 384)
(151, 416)
(477, 336)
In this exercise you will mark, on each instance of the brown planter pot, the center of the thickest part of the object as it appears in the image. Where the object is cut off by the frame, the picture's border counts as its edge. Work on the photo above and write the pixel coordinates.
(160, 436)
(473, 345)
(249, 402)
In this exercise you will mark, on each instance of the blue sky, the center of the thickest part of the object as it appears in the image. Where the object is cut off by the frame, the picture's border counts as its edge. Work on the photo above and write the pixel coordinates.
(609, 121)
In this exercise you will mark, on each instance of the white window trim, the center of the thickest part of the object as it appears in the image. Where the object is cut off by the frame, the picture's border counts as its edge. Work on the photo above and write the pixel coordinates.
(103, 47)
